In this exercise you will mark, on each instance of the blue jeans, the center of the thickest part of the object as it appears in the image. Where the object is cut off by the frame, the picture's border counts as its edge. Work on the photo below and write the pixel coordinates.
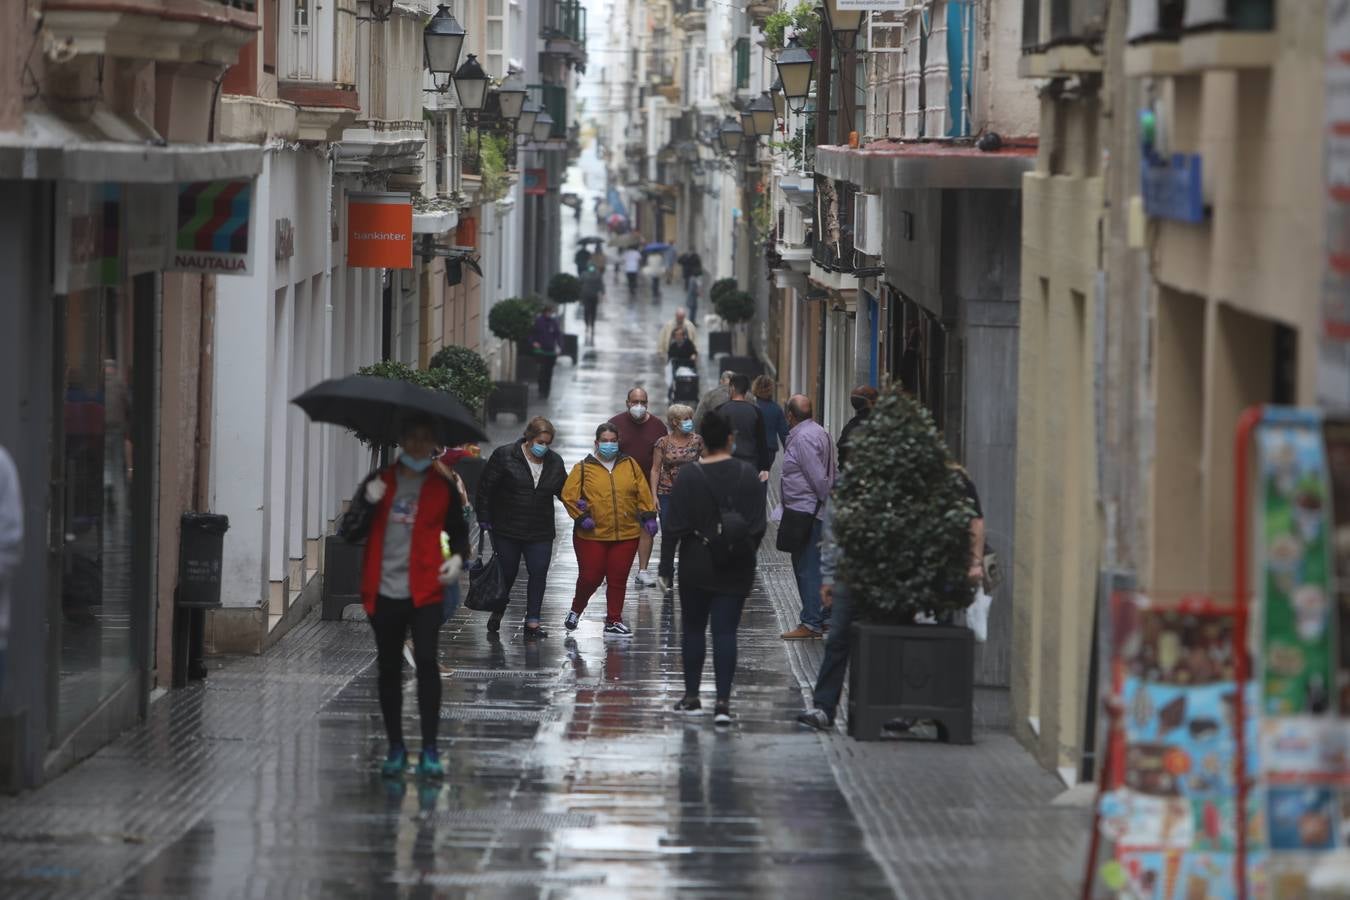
(806, 566)
(830, 681)
(537, 556)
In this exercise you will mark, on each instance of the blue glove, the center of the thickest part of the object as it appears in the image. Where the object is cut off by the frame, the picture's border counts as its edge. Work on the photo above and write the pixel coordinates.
(583, 505)
(586, 524)
(484, 526)
(651, 526)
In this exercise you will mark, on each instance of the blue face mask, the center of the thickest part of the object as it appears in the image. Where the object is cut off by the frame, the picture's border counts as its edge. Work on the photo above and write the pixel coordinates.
(687, 426)
(417, 465)
(539, 450)
(608, 449)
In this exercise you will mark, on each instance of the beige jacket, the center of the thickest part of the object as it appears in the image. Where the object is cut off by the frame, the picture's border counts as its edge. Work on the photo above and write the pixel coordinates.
(667, 330)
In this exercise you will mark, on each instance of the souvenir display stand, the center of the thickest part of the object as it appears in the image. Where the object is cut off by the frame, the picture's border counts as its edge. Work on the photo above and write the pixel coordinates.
(1225, 772)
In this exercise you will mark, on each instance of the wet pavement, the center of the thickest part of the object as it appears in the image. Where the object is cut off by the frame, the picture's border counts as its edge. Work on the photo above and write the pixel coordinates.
(567, 775)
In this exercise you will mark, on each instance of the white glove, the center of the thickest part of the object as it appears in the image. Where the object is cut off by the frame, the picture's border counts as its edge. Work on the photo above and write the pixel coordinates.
(450, 569)
(375, 489)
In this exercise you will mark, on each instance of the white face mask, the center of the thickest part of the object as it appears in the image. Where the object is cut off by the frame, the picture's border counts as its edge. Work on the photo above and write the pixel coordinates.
(637, 412)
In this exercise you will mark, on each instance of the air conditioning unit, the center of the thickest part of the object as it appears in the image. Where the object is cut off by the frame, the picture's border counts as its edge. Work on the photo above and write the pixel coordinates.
(867, 224)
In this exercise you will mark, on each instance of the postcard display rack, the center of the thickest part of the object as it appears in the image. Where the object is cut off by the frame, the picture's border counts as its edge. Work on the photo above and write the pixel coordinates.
(1226, 772)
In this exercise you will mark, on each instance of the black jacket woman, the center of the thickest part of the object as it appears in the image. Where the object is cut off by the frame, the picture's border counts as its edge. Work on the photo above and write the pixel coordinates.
(717, 498)
(515, 506)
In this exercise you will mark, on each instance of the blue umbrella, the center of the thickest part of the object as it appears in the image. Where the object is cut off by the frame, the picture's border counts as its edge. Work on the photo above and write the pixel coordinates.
(655, 247)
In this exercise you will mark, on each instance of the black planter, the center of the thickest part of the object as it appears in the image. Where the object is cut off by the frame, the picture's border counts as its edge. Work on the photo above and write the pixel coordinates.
(341, 576)
(509, 396)
(571, 347)
(912, 672)
(719, 343)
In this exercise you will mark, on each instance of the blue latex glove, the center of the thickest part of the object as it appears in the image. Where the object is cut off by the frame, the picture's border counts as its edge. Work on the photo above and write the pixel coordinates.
(583, 505)
(587, 524)
(484, 526)
(651, 526)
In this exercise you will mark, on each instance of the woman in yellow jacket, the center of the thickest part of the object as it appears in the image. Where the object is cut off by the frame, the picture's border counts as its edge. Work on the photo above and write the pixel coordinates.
(608, 497)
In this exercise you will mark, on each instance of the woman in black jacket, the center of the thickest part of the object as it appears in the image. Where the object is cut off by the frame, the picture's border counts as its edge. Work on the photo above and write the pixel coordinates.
(716, 510)
(515, 506)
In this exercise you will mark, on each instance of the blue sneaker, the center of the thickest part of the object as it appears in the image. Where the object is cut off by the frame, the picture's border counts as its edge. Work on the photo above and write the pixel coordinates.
(429, 764)
(395, 763)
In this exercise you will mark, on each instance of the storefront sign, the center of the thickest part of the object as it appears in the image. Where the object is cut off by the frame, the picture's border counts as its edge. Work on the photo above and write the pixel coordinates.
(1172, 188)
(873, 5)
(380, 231)
(536, 182)
(213, 227)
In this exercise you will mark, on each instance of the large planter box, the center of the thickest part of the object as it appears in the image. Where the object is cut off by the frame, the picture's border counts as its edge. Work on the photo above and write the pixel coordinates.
(912, 672)
(341, 576)
(509, 396)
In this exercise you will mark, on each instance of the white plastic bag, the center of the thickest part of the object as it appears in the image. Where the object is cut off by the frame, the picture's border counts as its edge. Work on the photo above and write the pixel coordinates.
(977, 615)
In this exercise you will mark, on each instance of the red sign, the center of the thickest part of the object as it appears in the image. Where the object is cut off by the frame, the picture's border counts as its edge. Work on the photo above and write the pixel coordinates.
(379, 231)
(536, 182)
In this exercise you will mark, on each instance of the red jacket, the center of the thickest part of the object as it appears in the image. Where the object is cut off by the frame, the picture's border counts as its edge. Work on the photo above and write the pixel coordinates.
(438, 509)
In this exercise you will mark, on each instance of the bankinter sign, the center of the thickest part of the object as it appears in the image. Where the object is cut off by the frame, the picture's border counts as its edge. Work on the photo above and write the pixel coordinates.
(379, 231)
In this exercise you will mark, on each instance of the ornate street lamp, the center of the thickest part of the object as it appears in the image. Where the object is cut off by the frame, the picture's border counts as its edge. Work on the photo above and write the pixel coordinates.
(543, 127)
(442, 40)
(795, 67)
(730, 135)
(528, 114)
(471, 83)
(779, 101)
(762, 113)
(844, 24)
(511, 96)
(748, 124)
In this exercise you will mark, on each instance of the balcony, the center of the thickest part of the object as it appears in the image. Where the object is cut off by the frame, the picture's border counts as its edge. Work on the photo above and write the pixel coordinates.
(833, 251)
(190, 31)
(1169, 37)
(562, 25)
(760, 10)
(691, 15)
(1061, 37)
(554, 99)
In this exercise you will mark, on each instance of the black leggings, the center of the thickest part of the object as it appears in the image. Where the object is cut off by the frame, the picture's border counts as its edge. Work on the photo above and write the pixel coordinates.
(392, 619)
(697, 606)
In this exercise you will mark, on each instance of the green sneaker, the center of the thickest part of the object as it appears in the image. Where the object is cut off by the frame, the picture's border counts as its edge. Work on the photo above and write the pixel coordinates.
(395, 763)
(429, 764)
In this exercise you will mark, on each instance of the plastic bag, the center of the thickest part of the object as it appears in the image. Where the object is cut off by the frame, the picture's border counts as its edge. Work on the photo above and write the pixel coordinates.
(977, 615)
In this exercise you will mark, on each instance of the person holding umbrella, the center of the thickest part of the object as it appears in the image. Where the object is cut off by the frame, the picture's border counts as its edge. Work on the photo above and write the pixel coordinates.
(401, 511)
(582, 259)
(608, 497)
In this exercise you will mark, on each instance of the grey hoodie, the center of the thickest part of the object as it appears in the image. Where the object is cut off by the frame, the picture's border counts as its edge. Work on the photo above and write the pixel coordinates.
(11, 536)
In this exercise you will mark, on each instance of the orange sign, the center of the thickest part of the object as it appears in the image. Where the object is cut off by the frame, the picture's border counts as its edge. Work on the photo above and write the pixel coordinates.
(379, 231)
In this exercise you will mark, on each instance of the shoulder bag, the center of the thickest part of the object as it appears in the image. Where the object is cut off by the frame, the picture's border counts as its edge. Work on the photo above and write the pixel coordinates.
(794, 531)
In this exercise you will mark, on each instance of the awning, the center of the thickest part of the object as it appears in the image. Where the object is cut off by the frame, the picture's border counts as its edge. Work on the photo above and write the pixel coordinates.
(107, 147)
(928, 165)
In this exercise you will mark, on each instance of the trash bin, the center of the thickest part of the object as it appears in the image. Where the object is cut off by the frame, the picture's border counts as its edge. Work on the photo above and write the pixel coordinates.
(201, 545)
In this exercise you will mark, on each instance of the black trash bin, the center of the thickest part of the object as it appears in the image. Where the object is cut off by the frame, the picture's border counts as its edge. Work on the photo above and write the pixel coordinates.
(201, 545)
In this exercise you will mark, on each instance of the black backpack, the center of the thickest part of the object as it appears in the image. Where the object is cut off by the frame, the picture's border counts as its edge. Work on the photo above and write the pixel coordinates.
(730, 543)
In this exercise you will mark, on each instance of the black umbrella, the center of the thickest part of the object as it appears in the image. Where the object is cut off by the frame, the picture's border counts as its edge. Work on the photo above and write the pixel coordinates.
(375, 408)
(590, 240)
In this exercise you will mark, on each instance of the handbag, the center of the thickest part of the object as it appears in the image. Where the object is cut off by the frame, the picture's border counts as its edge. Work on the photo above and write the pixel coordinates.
(977, 615)
(486, 583)
(794, 531)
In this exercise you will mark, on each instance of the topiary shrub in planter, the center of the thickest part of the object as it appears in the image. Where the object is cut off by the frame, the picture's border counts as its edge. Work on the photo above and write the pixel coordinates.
(511, 319)
(564, 288)
(735, 307)
(721, 287)
(902, 520)
(467, 372)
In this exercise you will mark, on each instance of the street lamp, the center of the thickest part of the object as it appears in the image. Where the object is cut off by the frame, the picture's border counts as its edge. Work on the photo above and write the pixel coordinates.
(471, 83)
(511, 96)
(779, 103)
(843, 23)
(731, 135)
(543, 127)
(748, 124)
(528, 114)
(795, 67)
(442, 40)
(763, 114)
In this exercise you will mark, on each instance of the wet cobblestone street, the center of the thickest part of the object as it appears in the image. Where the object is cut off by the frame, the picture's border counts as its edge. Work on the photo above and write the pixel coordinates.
(567, 774)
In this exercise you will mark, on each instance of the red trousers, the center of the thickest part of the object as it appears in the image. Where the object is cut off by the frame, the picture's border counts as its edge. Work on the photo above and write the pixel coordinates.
(607, 561)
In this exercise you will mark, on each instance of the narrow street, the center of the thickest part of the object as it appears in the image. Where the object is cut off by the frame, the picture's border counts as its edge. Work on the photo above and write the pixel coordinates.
(567, 774)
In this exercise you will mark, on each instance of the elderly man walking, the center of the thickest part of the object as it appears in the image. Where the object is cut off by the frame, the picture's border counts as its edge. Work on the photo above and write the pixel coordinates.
(714, 399)
(808, 477)
(639, 431)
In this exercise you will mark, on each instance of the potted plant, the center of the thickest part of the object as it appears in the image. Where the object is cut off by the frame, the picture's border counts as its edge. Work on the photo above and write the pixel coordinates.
(902, 521)
(734, 307)
(802, 21)
(511, 320)
(466, 374)
(720, 342)
(565, 288)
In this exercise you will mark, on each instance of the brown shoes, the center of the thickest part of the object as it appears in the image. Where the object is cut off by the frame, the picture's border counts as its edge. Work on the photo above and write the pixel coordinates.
(801, 633)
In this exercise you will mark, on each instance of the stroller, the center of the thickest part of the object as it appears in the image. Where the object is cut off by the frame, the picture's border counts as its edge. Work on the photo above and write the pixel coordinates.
(684, 386)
